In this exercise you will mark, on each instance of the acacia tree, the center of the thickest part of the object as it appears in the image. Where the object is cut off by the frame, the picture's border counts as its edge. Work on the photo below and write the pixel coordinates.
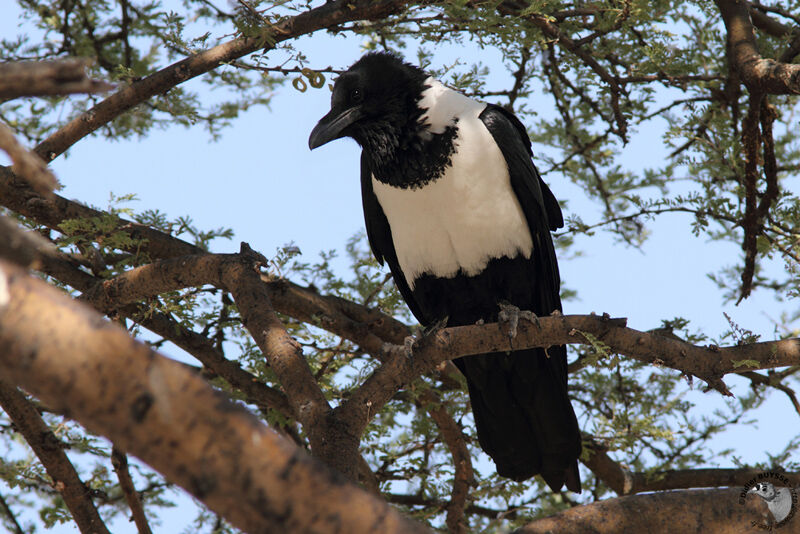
(323, 396)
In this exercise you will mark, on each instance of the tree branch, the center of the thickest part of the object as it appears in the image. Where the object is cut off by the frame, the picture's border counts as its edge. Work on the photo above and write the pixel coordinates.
(758, 74)
(626, 482)
(119, 461)
(709, 510)
(151, 406)
(324, 16)
(49, 450)
(54, 210)
(708, 363)
(9, 513)
(25, 248)
(552, 31)
(27, 164)
(453, 437)
(40, 78)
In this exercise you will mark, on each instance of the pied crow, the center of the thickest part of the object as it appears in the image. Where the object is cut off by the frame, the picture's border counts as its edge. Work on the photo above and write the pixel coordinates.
(455, 206)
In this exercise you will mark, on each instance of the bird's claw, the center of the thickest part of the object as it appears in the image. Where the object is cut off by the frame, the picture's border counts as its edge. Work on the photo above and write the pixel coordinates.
(435, 327)
(511, 315)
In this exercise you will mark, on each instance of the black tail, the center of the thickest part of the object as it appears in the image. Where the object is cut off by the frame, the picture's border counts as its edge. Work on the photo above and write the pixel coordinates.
(524, 417)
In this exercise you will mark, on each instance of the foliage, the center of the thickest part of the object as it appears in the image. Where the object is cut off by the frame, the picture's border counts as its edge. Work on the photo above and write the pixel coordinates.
(657, 66)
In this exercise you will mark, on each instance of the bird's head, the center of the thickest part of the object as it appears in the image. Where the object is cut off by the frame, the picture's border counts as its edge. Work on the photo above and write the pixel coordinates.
(763, 489)
(374, 102)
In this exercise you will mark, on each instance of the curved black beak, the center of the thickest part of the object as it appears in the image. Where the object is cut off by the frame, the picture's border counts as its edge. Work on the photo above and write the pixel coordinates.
(332, 126)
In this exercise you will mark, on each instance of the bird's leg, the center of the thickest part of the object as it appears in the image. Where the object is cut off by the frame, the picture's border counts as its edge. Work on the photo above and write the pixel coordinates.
(434, 328)
(425, 331)
(511, 314)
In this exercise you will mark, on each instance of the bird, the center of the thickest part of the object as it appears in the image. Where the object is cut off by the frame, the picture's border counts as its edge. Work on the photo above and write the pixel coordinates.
(779, 501)
(455, 206)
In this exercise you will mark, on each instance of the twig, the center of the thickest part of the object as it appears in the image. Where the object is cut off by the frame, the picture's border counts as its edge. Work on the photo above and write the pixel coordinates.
(9, 513)
(324, 16)
(453, 437)
(120, 462)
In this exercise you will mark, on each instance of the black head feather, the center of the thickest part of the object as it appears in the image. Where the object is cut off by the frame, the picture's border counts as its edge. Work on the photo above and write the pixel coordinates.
(378, 96)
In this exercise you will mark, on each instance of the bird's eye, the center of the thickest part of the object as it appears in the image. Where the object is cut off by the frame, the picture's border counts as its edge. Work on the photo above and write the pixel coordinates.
(356, 95)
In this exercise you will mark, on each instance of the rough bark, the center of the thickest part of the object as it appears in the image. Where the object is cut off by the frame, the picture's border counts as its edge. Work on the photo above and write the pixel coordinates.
(27, 164)
(40, 78)
(626, 482)
(759, 74)
(694, 511)
(49, 450)
(91, 370)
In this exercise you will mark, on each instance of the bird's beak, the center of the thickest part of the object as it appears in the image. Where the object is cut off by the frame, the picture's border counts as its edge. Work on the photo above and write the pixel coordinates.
(332, 126)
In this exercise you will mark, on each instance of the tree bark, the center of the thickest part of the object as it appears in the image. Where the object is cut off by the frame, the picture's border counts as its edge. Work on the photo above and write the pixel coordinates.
(40, 78)
(153, 407)
(695, 511)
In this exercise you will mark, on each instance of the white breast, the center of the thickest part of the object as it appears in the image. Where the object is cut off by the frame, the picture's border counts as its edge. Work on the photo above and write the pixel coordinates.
(466, 217)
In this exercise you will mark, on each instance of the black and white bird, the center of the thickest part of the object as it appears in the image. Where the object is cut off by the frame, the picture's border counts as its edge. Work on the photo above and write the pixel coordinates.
(455, 206)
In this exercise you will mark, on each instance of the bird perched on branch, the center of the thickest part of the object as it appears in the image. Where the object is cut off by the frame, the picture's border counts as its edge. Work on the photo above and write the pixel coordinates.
(455, 206)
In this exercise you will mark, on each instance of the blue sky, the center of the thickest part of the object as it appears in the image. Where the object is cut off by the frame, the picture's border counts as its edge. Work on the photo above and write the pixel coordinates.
(261, 180)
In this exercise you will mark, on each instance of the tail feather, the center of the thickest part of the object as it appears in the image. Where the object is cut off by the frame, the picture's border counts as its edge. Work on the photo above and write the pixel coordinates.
(523, 414)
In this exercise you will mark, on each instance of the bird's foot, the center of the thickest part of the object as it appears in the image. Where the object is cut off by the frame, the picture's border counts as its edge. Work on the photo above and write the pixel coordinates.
(511, 315)
(423, 332)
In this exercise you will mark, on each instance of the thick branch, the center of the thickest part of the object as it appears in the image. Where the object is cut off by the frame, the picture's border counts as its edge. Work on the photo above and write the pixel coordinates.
(325, 16)
(28, 249)
(39, 78)
(708, 363)
(626, 482)
(234, 273)
(27, 164)
(700, 511)
(48, 449)
(758, 74)
(342, 317)
(24, 248)
(152, 407)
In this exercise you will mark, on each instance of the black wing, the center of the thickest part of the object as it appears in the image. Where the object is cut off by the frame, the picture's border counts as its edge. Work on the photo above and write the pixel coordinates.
(510, 135)
(538, 203)
(379, 235)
